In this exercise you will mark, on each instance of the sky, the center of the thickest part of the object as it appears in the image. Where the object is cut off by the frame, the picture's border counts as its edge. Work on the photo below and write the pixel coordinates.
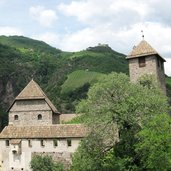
(73, 25)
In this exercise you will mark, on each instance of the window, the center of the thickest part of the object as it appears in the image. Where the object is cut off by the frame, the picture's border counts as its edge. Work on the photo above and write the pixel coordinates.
(55, 143)
(29, 143)
(15, 117)
(7, 143)
(69, 143)
(39, 117)
(42, 143)
(141, 61)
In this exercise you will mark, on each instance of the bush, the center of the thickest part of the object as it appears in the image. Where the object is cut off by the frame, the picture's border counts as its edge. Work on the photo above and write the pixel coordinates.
(45, 163)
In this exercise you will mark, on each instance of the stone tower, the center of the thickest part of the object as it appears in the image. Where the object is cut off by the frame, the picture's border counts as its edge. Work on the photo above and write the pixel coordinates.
(32, 107)
(144, 59)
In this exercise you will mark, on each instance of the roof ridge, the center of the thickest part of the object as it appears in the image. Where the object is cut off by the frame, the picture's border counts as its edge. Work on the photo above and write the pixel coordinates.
(143, 49)
(33, 91)
(26, 92)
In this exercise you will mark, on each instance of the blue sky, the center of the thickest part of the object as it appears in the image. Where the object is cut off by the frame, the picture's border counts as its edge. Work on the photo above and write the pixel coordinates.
(73, 25)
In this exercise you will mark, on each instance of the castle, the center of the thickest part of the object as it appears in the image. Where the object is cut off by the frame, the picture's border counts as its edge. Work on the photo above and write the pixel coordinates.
(35, 127)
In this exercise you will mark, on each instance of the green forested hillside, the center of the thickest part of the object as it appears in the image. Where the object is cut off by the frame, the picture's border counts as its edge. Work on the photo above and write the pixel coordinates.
(23, 58)
(27, 44)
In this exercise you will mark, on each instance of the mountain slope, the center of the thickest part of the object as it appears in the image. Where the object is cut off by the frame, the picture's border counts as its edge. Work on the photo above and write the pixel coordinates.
(24, 43)
(78, 79)
(23, 58)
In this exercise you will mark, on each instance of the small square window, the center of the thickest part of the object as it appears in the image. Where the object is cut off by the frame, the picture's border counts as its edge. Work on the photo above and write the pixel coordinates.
(141, 62)
(55, 142)
(29, 143)
(15, 117)
(7, 143)
(42, 143)
(69, 143)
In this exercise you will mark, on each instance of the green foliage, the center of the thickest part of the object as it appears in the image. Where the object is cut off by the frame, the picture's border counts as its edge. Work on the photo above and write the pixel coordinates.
(154, 145)
(72, 98)
(111, 162)
(168, 86)
(114, 98)
(103, 62)
(26, 44)
(78, 79)
(116, 110)
(149, 81)
(89, 155)
(45, 163)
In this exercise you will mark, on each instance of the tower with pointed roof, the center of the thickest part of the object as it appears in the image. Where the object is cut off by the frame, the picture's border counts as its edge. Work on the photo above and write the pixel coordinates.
(144, 59)
(32, 107)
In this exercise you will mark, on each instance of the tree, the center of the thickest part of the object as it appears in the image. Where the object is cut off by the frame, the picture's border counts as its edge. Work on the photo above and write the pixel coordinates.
(154, 146)
(149, 81)
(45, 163)
(116, 110)
(89, 155)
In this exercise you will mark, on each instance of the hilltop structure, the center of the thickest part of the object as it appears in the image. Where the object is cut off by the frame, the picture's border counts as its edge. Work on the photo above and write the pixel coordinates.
(144, 59)
(34, 129)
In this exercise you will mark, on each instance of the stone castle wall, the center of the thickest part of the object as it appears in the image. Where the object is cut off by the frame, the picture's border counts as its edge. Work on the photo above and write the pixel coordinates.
(136, 72)
(161, 75)
(151, 67)
(28, 111)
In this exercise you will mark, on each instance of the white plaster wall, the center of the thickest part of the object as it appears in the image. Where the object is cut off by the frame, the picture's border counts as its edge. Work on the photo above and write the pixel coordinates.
(27, 152)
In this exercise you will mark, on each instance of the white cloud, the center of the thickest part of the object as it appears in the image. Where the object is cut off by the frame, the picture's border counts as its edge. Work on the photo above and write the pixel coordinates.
(8, 31)
(46, 17)
(48, 37)
(167, 66)
(101, 12)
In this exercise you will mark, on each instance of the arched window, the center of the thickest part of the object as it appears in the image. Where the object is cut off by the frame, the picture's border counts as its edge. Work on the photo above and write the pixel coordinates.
(39, 117)
(15, 117)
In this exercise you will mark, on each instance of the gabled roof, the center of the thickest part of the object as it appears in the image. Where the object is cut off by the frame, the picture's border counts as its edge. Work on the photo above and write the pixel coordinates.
(143, 49)
(33, 91)
(52, 131)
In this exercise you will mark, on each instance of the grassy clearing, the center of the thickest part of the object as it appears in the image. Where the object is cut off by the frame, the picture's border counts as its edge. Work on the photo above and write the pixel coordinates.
(78, 78)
